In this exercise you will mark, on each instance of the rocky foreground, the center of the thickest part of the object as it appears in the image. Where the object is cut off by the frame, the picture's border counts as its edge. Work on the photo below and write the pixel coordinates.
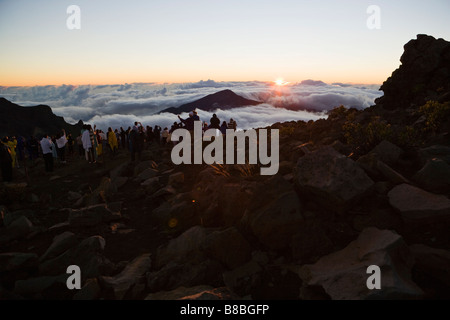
(359, 188)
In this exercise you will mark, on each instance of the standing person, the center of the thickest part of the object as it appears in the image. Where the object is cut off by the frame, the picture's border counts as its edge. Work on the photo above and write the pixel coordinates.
(61, 146)
(128, 137)
(29, 147)
(123, 138)
(80, 146)
(5, 160)
(102, 144)
(33, 148)
(70, 143)
(54, 147)
(94, 142)
(188, 122)
(195, 116)
(87, 144)
(116, 132)
(140, 142)
(150, 136)
(223, 128)
(47, 151)
(132, 144)
(164, 136)
(174, 127)
(12, 144)
(232, 124)
(112, 141)
(20, 149)
(157, 134)
(214, 122)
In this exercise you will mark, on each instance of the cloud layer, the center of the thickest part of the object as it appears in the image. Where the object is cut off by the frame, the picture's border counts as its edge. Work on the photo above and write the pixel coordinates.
(120, 105)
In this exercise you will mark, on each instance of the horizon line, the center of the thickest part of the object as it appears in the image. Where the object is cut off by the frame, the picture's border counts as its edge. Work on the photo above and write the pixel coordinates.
(289, 83)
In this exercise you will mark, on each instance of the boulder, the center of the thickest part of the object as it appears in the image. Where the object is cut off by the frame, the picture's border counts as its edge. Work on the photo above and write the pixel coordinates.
(93, 215)
(178, 214)
(387, 152)
(228, 247)
(415, 204)
(73, 196)
(434, 176)
(11, 216)
(53, 287)
(276, 282)
(147, 174)
(18, 229)
(331, 177)
(176, 179)
(90, 290)
(390, 174)
(129, 277)
(151, 185)
(88, 255)
(60, 244)
(186, 273)
(240, 279)
(285, 167)
(106, 189)
(186, 246)
(381, 218)
(224, 203)
(432, 262)
(343, 275)
(119, 182)
(435, 152)
(15, 191)
(144, 165)
(162, 193)
(13, 261)
(310, 242)
(275, 224)
(341, 148)
(119, 171)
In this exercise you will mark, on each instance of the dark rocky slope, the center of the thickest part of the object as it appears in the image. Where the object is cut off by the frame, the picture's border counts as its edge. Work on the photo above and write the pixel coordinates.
(32, 121)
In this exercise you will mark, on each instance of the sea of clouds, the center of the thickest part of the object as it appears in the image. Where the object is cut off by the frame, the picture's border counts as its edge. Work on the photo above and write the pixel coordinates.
(121, 105)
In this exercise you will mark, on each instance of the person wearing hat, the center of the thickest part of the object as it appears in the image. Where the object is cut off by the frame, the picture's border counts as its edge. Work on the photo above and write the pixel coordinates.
(6, 160)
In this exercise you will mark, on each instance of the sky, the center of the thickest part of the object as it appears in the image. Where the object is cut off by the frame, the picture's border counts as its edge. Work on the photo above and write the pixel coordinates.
(178, 41)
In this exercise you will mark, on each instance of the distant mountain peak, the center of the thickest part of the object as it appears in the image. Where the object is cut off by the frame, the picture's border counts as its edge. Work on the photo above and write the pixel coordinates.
(224, 99)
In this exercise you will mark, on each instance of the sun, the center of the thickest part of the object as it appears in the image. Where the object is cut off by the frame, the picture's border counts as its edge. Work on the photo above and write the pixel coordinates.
(280, 82)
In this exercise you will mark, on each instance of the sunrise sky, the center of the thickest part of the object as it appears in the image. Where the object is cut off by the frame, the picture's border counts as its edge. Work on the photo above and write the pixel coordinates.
(184, 41)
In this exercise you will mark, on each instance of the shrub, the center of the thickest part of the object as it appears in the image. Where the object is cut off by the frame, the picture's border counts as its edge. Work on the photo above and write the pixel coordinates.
(435, 114)
(365, 137)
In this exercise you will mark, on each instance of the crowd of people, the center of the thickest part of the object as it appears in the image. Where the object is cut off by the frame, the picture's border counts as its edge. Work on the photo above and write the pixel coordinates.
(93, 144)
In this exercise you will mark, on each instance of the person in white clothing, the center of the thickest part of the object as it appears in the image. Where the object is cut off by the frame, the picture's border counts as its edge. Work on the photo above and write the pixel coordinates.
(46, 146)
(87, 144)
(61, 141)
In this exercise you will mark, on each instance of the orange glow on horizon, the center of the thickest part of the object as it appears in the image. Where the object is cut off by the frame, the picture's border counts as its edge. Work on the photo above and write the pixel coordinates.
(280, 82)
(97, 80)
